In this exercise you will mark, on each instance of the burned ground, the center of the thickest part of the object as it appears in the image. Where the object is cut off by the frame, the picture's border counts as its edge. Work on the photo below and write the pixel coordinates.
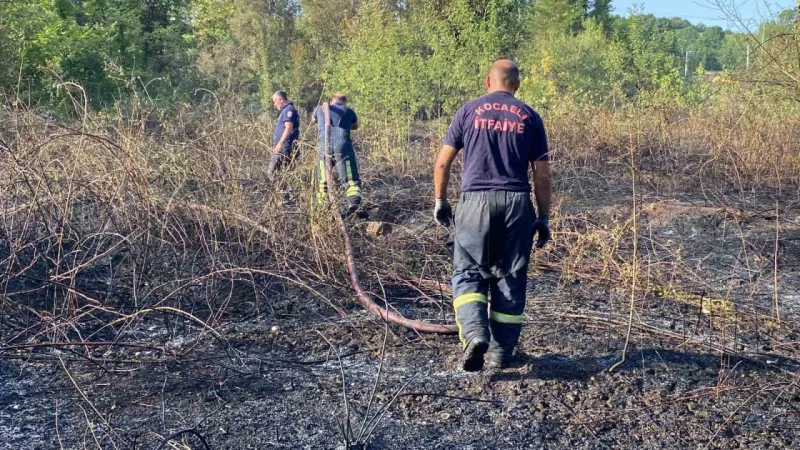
(238, 322)
(281, 387)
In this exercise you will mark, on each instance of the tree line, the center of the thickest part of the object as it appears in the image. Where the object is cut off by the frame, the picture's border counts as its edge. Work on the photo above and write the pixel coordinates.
(401, 58)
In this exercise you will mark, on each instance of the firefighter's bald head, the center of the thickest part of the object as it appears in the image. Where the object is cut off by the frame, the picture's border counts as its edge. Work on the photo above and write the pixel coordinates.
(503, 76)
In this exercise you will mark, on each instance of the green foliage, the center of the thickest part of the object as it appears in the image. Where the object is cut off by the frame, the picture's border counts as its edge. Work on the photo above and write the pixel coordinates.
(582, 68)
(428, 59)
(589, 67)
(98, 44)
(649, 65)
(29, 42)
(461, 41)
(395, 58)
(556, 16)
(733, 52)
(383, 74)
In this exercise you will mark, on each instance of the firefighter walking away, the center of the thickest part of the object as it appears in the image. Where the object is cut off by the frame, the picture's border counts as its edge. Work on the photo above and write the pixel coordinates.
(343, 120)
(495, 222)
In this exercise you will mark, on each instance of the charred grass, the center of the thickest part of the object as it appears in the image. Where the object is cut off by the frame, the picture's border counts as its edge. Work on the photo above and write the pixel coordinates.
(153, 281)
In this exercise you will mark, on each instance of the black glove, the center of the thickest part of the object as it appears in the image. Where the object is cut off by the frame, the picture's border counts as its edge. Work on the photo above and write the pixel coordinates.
(442, 212)
(542, 227)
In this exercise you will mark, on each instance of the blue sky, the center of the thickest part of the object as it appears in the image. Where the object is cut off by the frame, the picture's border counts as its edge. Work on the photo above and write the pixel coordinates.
(705, 11)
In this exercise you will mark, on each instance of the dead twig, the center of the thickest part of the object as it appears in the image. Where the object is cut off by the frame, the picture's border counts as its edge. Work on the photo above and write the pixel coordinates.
(634, 263)
(452, 397)
(180, 433)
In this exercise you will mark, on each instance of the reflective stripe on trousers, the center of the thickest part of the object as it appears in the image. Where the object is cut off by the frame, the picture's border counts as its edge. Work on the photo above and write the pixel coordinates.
(491, 251)
(470, 308)
(345, 163)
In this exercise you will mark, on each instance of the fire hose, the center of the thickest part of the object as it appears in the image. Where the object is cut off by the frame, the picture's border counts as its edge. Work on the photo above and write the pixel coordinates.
(363, 297)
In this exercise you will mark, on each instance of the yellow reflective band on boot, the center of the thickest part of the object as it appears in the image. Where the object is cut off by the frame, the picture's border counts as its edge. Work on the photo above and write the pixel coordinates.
(509, 319)
(463, 299)
(354, 191)
(322, 180)
(460, 334)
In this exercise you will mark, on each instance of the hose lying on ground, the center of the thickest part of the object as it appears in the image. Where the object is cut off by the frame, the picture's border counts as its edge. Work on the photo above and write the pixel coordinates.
(366, 301)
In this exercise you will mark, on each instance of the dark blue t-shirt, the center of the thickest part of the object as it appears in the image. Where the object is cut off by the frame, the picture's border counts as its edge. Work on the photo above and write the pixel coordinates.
(288, 114)
(500, 136)
(341, 117)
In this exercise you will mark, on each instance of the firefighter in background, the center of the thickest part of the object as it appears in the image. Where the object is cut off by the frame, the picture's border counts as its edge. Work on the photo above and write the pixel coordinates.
(287, 131)
(343, 120)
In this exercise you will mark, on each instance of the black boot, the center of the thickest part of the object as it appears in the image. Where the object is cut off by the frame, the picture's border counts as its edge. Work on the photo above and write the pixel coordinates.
(472, 359)
(472, 318)
(503, 343)
(354, 207)
(499, 359)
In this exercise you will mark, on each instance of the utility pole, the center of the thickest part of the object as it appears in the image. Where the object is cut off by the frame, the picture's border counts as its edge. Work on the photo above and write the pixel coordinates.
(748, 57)
(686, 64)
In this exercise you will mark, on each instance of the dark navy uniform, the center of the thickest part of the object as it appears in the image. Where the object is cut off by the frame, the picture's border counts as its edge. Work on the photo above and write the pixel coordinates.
(289, 150)
(342, 120)
(500, 137)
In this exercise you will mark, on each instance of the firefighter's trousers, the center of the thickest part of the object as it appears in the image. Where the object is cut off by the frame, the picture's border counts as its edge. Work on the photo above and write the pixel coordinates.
(492, 247)
(346, 166)
(282, 160)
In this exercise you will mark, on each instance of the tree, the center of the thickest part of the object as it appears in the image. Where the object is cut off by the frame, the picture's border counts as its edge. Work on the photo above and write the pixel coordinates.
(733, 52)
(460, 39)
(600, 12)
(382, 75)
(556, 16)
(708, 46)
(587, 68)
